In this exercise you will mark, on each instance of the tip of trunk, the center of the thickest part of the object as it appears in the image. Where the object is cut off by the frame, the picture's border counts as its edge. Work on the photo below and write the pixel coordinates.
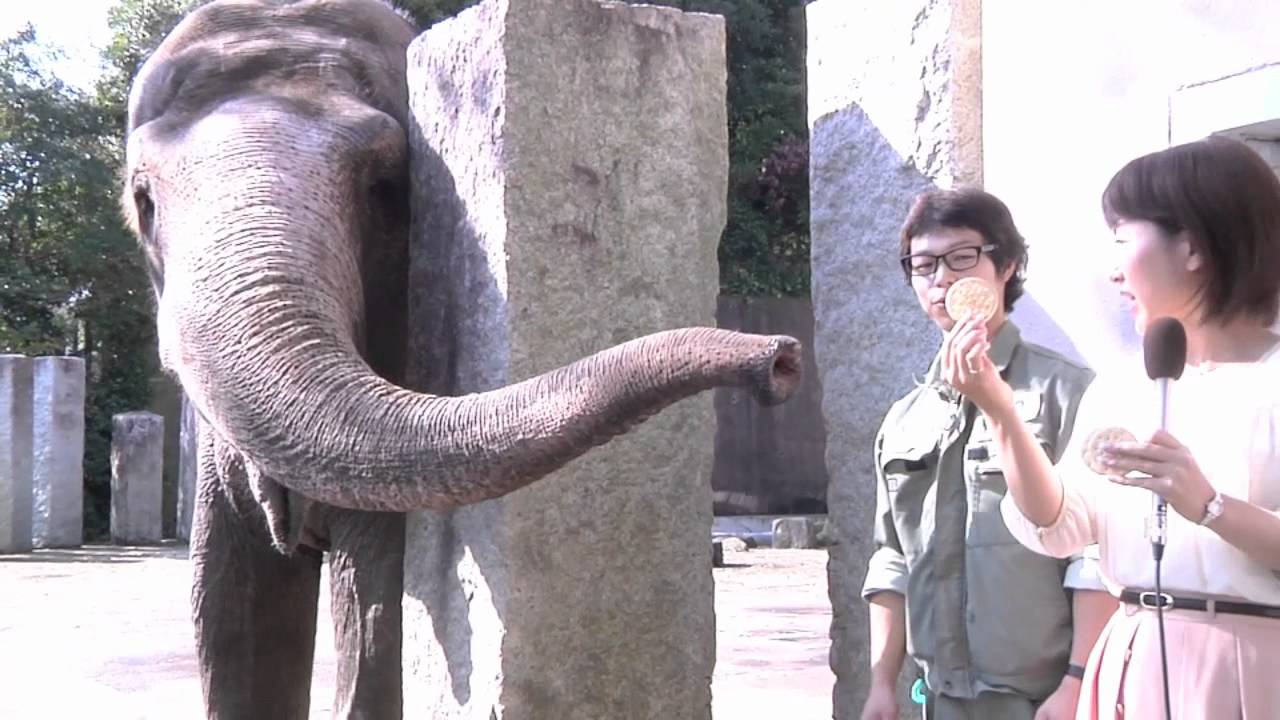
(775, 377)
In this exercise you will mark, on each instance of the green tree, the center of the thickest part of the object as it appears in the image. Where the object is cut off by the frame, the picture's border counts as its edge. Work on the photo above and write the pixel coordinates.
(42, 128)
(119, 317)
(70, 281)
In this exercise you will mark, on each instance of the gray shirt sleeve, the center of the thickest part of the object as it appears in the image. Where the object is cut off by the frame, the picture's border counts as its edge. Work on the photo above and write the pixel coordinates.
(887, 568)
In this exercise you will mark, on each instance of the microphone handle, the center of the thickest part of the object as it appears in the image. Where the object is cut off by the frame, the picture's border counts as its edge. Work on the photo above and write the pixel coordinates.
(1158, 522)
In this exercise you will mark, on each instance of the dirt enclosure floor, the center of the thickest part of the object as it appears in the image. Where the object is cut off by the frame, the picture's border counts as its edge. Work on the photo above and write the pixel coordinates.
(104, 632)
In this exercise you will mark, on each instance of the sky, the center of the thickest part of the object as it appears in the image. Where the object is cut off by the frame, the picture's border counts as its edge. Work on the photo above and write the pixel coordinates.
(79, 27)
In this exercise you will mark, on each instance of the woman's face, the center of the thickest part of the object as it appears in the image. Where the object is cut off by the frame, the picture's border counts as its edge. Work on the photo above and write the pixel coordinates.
(1156, 272)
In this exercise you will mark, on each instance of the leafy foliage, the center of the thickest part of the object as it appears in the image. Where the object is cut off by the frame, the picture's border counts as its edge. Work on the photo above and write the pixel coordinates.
(71, 280)
(430, 12)
(66, 285)
(120, 327)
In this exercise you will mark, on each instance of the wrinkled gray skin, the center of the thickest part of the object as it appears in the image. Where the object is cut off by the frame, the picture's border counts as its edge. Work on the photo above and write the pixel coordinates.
(267, 181)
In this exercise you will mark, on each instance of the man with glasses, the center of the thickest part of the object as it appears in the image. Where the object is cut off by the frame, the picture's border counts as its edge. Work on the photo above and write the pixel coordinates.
(998, 632)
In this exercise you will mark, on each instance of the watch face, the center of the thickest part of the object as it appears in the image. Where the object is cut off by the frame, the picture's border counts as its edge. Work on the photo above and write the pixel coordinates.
(1213, 509)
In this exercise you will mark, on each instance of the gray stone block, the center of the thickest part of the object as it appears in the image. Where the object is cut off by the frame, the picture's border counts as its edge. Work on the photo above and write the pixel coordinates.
(15, 453)
(888, 119)
(188, 461)
(137, 491)
(571, 163)
(795, 533)
(58, 446)
(736, 544)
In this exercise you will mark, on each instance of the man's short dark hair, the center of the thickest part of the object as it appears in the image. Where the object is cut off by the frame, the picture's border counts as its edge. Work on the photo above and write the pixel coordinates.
(1228, 201)
(971, 209)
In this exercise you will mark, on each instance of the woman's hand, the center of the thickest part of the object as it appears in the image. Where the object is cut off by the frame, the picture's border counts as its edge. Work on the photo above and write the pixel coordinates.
(1167, 468)
(967, 367)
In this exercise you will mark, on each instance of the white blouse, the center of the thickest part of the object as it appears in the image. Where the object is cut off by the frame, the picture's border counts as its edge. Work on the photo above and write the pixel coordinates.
(1229, 418)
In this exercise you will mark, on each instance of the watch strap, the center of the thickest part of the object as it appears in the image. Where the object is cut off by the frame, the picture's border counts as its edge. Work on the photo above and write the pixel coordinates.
(1213, 509)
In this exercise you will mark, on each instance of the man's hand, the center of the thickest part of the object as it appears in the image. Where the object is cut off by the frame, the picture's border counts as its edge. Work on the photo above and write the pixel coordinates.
(1061, 705)
(882, 702)
(967, 367)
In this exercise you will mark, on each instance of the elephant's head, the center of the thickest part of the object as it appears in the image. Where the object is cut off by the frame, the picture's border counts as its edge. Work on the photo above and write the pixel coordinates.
(267, 180)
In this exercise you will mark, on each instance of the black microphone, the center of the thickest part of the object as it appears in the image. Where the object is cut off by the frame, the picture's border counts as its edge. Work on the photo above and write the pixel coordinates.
(1164, 350)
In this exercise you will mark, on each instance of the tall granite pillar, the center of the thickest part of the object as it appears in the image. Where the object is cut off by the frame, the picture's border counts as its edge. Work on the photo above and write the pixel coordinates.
(188, 459)
(15, 453)
(571, 163)
(137, 459)
(894, 109)
(58, 442)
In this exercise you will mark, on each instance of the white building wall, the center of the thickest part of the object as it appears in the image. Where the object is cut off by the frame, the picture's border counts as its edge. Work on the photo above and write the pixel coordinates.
(1072, 91)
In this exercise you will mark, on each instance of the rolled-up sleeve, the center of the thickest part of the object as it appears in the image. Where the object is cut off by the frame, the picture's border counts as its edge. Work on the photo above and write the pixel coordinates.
(887, 568)
(1084, 571)
(1067, 535)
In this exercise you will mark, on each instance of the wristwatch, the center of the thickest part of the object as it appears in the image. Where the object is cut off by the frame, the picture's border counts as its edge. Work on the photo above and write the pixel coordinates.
(1213, 509)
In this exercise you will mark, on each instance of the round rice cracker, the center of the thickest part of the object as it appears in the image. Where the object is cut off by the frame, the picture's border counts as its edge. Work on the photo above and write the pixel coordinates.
(971, 297)
(1093, 446)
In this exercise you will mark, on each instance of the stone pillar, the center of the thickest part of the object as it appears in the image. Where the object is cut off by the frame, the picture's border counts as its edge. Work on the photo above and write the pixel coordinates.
(894, 109)
(15, 453)
(571, 162)
(187, 463)
(137, 461)
(58, 441)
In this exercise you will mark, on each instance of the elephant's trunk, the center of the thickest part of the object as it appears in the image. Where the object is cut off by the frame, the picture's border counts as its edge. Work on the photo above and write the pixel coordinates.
(260, 327)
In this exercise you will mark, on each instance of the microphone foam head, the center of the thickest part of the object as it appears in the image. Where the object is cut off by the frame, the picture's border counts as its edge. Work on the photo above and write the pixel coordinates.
(1164, 349)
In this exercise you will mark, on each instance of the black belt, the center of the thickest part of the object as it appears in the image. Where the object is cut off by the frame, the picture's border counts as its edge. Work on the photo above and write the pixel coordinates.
(1150, 600)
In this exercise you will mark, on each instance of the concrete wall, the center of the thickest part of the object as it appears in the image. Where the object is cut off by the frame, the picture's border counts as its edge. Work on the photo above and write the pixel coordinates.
(137, 459)
(16, 491)
(1072, 91)
(770, 460)
(894, 109)
(58, 451)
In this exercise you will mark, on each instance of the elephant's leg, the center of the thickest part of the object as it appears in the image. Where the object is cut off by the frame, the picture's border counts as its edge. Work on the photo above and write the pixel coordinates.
(254, 611)
(366, 576)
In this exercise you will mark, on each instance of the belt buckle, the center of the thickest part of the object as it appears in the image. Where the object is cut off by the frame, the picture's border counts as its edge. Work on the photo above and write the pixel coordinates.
(1148, 600)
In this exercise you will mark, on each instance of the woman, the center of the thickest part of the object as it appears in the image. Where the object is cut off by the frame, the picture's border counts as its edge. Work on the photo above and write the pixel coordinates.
(1197, 228)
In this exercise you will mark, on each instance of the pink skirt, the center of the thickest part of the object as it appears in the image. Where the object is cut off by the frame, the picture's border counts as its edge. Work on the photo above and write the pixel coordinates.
(1221, 667)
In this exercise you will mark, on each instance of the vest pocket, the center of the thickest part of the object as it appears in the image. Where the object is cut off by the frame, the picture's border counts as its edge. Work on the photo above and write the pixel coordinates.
(984, 477)
(985, 482)
(909, 474)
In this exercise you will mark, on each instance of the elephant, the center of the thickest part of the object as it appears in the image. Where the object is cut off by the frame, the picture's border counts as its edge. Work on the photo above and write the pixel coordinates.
(266, 177)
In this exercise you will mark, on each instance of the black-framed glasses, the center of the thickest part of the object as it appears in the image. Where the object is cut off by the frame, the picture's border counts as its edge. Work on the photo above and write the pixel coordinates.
(961, 258)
